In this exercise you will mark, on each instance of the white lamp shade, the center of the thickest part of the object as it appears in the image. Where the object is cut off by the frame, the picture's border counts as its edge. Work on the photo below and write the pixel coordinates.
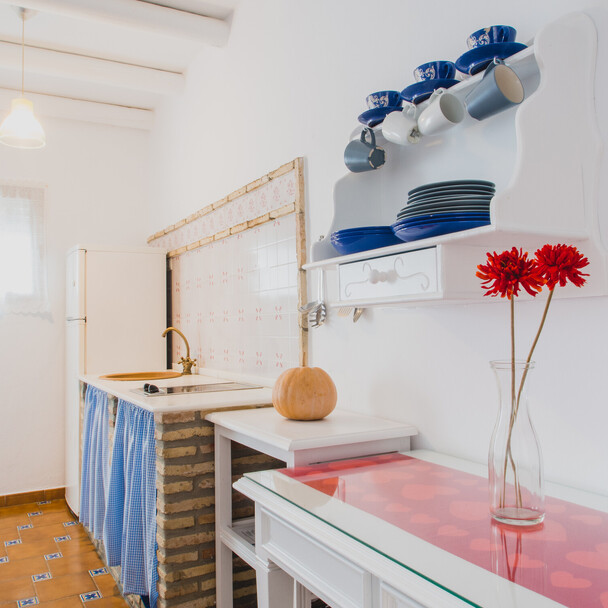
(20, 128)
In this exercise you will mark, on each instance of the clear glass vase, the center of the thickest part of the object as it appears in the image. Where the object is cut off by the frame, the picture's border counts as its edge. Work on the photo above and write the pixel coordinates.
(515, 466)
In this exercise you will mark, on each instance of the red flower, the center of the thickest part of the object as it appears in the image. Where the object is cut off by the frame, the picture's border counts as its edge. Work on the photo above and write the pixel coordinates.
(560, 264)
(506, 272)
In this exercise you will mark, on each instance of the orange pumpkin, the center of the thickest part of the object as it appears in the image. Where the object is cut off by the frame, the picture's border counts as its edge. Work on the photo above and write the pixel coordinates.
(304, 393)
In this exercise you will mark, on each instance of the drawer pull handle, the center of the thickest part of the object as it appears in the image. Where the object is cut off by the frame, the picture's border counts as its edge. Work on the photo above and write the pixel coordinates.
(375, 276)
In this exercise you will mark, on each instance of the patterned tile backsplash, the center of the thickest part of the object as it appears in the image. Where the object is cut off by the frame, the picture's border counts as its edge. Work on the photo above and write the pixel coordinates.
(236, 298)
(272, 195)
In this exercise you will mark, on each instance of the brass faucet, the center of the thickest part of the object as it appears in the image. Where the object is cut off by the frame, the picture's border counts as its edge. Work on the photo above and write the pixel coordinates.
(187, 363)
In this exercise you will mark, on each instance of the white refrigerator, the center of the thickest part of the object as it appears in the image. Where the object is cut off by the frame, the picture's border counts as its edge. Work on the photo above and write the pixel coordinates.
(115, 316)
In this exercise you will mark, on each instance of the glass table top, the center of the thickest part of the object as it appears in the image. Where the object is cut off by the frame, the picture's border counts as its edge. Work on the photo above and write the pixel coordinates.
(434, 520)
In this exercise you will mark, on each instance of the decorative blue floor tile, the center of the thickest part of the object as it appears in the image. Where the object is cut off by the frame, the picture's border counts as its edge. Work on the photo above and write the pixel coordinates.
(4, 560)
(41, 577)
(49, 556)
(69, 523)
(44, 502)
(92, 595)
(34, 513)
(30, 601)
(98, 571)
(26, 527)
(60, 539)
(10, 543)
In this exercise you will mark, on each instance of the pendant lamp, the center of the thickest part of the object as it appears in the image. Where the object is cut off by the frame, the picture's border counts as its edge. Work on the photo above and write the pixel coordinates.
(21, 129)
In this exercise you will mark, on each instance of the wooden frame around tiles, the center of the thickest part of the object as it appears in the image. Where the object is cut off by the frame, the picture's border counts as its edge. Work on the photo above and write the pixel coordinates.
(297, 206)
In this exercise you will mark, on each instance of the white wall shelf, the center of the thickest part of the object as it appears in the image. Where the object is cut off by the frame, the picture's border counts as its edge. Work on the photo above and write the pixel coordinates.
(545, 158)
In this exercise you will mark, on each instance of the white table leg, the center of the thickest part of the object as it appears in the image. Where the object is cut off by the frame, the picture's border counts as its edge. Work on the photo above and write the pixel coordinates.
(274, 586)
(223, 519)
(302, 596)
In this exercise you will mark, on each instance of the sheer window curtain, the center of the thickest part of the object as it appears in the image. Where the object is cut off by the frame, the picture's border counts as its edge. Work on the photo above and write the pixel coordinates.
(23, 281)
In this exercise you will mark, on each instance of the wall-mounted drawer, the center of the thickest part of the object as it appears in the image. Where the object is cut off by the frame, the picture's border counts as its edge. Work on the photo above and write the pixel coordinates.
(410, 274)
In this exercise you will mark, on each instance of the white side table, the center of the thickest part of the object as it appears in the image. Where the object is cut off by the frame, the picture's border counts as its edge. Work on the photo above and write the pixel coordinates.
(340, 435)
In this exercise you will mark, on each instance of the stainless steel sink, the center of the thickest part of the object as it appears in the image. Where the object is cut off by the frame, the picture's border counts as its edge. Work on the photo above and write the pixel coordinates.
(164, 391)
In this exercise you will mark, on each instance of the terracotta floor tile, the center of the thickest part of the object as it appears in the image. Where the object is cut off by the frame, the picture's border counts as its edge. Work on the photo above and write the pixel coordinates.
(64, 586)
(73, 564)
(26, 550)
(16, 589)
(23, 567)
(73, 601)
(106, 584)
(70, 573)
(29, 507)
(75, 545)
(52, 517)
(41, 533)
(11, 509)
(54, 505)
(12, 521)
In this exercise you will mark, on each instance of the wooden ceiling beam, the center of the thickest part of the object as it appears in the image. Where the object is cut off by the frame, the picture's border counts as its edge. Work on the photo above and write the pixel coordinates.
(138, 15)
(59, 64)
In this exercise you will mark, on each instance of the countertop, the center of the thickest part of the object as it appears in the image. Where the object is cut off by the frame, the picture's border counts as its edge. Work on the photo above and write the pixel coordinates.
(187, 402)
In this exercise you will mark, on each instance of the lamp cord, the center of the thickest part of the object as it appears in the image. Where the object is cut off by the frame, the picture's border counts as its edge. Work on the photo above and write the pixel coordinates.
(22, 54)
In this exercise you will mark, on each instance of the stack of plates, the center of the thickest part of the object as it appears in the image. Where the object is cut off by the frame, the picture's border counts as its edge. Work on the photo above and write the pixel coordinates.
(443, 207)
(354, 240)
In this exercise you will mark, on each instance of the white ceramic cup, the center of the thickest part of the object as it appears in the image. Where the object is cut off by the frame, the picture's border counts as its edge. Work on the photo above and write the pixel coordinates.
(401, 127)
(444, 111)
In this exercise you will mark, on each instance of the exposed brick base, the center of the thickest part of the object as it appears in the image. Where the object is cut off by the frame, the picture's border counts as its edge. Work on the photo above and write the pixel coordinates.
(186, 511)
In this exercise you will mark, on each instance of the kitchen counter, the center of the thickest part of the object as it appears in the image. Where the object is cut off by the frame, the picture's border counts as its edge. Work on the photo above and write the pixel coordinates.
(184, 447)
(186, 402)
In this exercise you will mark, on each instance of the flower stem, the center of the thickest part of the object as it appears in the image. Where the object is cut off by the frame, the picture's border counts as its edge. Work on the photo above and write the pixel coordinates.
(515, 401)
(513, 416)
(540, 328)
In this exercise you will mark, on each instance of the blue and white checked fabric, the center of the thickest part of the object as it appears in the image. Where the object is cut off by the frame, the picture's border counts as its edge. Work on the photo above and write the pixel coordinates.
(95, 469)
(130, 522)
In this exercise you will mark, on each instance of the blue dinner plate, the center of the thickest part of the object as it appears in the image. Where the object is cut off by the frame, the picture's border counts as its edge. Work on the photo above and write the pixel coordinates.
(460, 200)
(453, 184)
(480, 57)
(362, 229)
(452, 193)
(476, 218)
(375, 116)
(419, 91)
(364, 243)
(432, 216)
(443, 210)
(453, 200)
(431, 229)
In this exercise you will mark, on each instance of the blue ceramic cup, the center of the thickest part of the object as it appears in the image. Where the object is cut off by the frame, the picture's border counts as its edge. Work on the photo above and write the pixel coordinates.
(384, 99)
(499, 89)
(490, 35)
(362, 155)
(434, 70)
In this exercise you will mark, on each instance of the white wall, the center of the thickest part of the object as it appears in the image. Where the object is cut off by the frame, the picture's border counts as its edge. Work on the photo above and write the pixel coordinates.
(95, 177)
(291, 82)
